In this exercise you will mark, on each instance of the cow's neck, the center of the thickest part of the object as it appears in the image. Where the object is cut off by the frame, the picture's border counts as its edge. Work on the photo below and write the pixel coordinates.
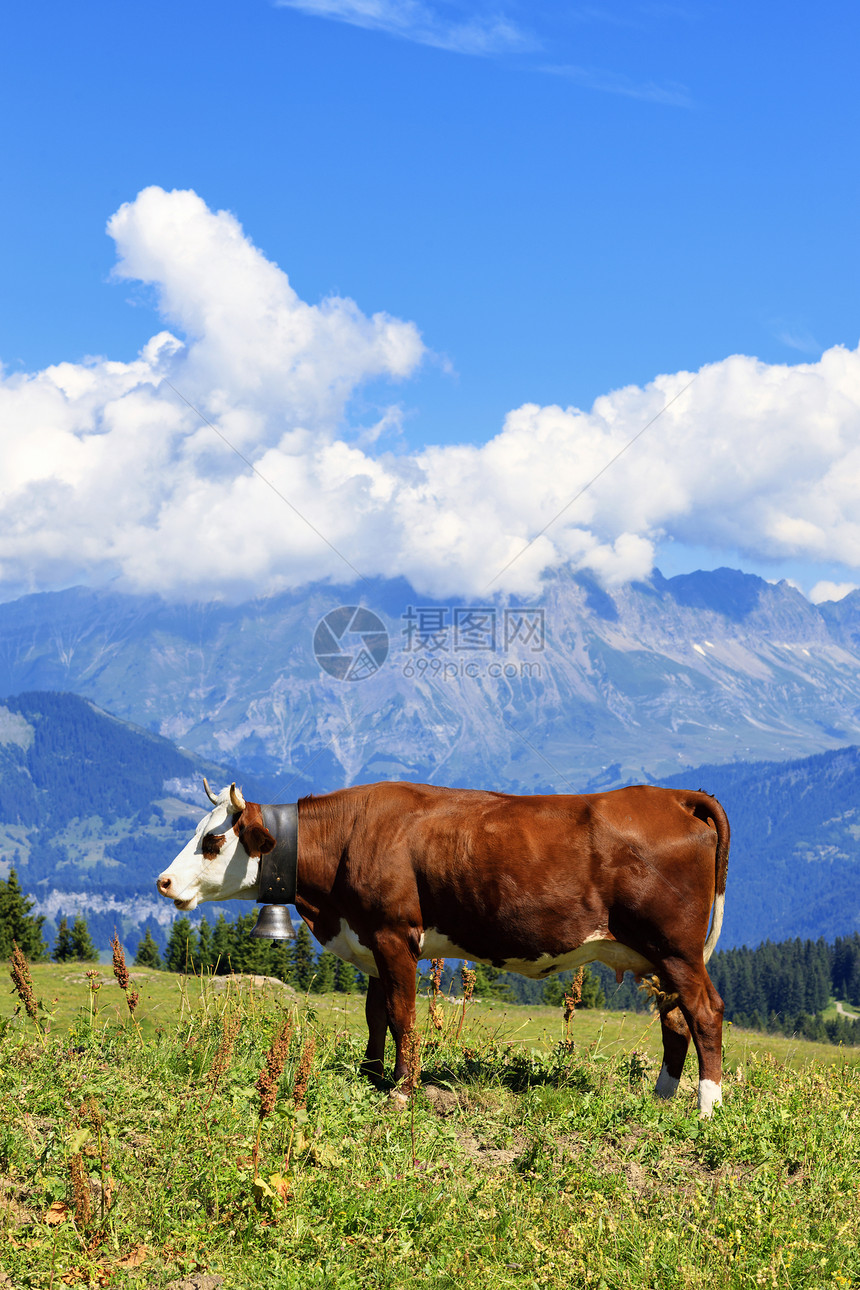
(325, 827)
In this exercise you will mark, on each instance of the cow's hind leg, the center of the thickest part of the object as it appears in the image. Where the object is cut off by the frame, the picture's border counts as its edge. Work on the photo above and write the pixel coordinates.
(703, 1012)
(676, 1041)
(377, 1025)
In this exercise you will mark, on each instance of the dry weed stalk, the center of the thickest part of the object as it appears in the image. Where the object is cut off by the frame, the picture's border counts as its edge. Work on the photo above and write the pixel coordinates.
(95, 985)
(412, 1056)
(436, 982)
(572, 997)
(270, 1078)
(123, 977)
(91, 1115)
(223, 1055)
(300, 1085)
(120, 970)
(21, 979)
(81, 1198)
(468, 976)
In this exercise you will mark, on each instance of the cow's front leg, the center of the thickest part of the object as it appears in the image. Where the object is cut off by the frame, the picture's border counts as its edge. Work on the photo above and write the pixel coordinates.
(676, 1041)
(397, 963)
(377, 1025)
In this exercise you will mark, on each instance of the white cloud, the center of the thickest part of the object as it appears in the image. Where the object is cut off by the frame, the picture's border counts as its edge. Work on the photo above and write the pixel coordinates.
(422, 23)
(107, 473)
(831, 591)
(670, 94)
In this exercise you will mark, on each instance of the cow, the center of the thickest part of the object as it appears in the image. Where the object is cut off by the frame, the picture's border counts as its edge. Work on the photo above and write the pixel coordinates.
(391, 873)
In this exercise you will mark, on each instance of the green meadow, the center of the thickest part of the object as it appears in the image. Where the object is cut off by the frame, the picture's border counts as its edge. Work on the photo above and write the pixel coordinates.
(225, 1130)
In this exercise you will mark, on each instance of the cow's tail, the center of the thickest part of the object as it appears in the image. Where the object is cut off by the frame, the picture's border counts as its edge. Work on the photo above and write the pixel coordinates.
(707, 808)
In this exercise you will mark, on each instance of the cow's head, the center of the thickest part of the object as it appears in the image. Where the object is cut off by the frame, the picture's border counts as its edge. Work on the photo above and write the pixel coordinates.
(221, 862)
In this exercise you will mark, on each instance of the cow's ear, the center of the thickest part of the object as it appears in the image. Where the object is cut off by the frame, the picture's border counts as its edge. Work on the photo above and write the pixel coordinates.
(257, 840)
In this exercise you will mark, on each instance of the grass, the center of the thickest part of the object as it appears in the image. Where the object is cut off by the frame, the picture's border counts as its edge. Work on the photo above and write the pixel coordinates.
(135, 1157)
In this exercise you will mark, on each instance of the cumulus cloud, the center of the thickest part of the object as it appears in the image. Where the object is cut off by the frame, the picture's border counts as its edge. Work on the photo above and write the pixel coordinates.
(108, 473)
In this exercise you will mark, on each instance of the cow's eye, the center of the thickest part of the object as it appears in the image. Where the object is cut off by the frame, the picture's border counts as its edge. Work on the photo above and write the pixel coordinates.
(211, 845)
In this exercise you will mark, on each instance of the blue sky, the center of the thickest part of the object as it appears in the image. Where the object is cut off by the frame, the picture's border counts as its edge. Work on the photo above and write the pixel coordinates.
(563, 200)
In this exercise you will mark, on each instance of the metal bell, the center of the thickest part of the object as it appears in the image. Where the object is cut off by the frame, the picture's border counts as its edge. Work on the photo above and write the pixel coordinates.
(274, 924)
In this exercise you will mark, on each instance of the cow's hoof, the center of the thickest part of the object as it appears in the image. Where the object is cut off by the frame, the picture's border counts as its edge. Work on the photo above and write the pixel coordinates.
(667, 1085)
(710, 1095)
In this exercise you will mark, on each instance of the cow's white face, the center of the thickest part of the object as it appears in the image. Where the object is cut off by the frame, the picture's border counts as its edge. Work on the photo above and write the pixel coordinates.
(216, 863)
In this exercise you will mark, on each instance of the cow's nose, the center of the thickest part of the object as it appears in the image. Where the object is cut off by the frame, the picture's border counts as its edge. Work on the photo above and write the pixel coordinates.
(163, 885)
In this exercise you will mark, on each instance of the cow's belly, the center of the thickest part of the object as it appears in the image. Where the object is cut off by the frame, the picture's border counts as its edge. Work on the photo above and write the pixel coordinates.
(348, 947)
(436, 945)
(595, 948)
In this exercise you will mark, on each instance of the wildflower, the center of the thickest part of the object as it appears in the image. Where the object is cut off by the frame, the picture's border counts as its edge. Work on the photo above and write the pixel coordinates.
(23, 983)
(300, 1085)
(132, 998)
(93, 978)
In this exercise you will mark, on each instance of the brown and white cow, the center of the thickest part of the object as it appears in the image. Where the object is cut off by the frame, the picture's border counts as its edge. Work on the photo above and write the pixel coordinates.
(392, 873)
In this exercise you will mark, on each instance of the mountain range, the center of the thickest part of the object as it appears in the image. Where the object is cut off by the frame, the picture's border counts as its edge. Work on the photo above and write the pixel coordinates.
(116, 705)
(582, 688)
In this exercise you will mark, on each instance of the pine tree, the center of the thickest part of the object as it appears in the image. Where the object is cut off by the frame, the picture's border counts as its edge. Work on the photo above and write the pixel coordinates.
(302, 959)
(344, 978)
(591, 996)
(246, 952)
(323, 982)
(83, 950)
(280, 958)
(222, 946)
(490, 982)
(62, 950)
(147, 953)
(592, 991)
(181, 947)
(204, 958)
(17, 925)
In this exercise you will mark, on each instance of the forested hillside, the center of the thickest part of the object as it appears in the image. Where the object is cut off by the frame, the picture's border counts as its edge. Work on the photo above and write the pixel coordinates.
(91, 809)
(794, 868)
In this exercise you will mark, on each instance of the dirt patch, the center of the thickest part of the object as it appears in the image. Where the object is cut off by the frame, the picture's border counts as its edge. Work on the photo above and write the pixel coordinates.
(444, 1101)
(248, 979)
(105, 978)
(490, 1157)
(12, 1212)
(197, 1281)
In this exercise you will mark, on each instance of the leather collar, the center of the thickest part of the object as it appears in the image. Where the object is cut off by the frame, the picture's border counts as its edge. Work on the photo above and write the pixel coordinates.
(279, 867)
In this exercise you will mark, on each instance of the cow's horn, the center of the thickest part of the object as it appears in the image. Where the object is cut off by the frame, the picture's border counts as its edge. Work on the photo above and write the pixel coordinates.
(212, 798)
(236, 798)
